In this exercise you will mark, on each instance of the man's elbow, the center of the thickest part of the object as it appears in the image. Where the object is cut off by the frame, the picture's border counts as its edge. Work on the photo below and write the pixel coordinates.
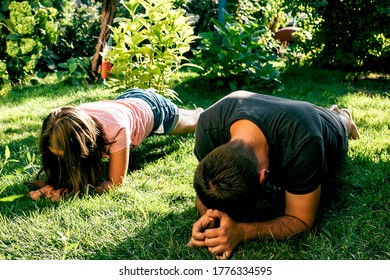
(306, 224)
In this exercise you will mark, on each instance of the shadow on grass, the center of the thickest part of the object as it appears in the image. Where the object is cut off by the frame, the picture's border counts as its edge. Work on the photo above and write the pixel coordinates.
(155, 148)
(16, 146)
(324, 87)
(369, 83)
(318, 86)
(165, 238)
(356, 223)
(197, 92)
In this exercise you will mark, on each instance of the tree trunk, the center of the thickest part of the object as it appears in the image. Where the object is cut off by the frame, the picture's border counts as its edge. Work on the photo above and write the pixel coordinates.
(108, 13)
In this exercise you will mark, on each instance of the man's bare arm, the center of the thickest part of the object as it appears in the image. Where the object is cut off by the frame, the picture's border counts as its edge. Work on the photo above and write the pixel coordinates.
(299, 217)
(279, 228)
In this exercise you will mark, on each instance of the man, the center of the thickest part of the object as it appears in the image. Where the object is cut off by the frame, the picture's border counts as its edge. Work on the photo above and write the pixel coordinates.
(263, 162)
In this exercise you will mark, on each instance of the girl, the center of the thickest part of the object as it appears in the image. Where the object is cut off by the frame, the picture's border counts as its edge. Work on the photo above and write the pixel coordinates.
(75, 139)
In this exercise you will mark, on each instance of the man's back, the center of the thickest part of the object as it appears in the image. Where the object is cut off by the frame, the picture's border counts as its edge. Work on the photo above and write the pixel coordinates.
(302, 138)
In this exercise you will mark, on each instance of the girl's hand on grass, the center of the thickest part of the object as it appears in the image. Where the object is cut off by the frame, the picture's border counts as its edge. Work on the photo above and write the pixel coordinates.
(103, 187)
(49, 192)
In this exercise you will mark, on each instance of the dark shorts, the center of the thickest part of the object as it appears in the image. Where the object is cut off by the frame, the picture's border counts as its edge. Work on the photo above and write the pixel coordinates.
(166, 113)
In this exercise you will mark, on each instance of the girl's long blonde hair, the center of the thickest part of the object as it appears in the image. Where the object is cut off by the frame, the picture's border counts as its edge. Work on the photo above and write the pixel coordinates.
(75, 132)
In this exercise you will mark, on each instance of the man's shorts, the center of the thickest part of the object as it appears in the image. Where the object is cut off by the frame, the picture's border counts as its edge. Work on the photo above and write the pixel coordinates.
(166, 113)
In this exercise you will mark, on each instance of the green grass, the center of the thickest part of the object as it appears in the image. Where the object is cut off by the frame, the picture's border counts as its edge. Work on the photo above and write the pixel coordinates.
(151, 215)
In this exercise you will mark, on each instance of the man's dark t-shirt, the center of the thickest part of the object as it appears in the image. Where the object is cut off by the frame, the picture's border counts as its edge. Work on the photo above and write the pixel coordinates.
(305, 141)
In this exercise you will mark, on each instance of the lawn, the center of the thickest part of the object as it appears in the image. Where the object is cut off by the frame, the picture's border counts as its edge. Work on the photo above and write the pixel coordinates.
(151, 215)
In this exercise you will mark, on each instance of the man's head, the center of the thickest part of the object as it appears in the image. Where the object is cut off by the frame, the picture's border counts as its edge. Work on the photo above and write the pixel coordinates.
(227, 179)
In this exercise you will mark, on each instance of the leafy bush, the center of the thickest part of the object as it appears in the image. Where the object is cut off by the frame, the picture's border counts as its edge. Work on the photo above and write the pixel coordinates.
(356, 34)
(74, 69)
(149, 46)
(239, 53)
(39, 37)
(79, 25)
(28, 31)
(200, 12)
(348, 34)
(71, 55)
(5, 83)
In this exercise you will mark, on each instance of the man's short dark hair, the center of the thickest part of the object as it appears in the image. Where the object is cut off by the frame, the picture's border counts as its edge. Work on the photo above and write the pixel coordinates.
(227, 179)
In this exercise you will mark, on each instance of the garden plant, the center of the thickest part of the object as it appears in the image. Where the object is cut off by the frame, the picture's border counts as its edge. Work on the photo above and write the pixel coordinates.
(149, 47)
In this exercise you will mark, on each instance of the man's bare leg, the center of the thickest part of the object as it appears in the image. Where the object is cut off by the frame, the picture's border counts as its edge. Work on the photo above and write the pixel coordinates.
(335, 108)
(353, 132)
(348, 122)
(188, 120)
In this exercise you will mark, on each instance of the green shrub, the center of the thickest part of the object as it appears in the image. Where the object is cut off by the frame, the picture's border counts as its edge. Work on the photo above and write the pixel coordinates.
(80, 26)
(238, 53)
(39, 37)
(5, 83)
(200, 12)
(71, 55)
(28, 31)
(356, 34)
(149, 46)
(348, 34)
(74, 69)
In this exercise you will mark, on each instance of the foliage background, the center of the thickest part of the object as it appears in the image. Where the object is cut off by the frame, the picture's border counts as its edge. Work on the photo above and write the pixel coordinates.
(40, 37)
